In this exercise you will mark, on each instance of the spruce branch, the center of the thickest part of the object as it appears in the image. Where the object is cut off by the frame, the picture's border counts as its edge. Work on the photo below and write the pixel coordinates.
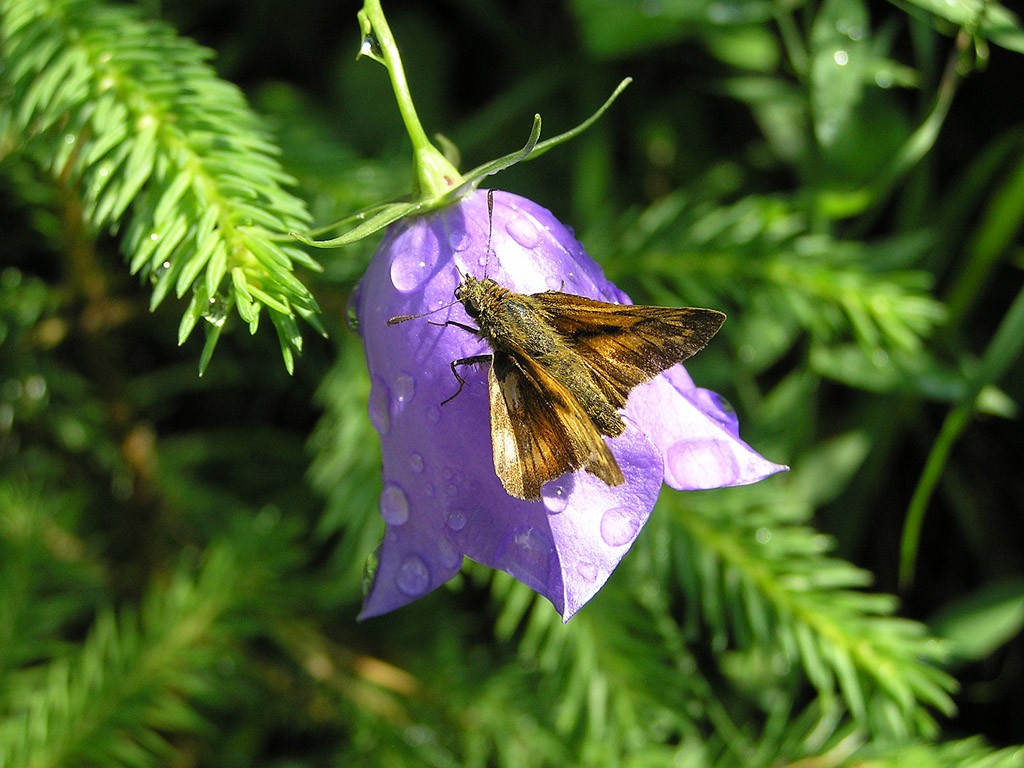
(134, 122)
(130, 686)
(765, 581)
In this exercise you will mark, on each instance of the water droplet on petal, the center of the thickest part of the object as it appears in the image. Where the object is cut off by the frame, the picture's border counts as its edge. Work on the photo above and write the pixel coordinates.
(416, 463)
(379, 407)
(526, 554)
(394, 505)
(413, 576)
(555, 496)
(433, 414)
(414, 259)
(456, 520)
(588, 571)
(404, 387)
(703, 463)
(458, 237)
(763, 535)
(449, 556)
(524, 231)
(619, 526)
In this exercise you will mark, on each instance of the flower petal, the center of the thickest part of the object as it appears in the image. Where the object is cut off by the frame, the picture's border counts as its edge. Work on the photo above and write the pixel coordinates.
(697, 435)
(441, 498)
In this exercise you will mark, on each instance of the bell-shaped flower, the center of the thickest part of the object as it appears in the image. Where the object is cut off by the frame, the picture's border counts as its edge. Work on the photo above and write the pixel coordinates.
(441, 499)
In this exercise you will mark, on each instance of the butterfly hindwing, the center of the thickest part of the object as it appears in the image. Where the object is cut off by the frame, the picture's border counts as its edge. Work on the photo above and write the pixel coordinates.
(539, 431)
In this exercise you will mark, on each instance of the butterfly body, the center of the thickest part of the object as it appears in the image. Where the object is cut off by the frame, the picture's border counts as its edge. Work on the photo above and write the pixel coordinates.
(516, 325)
(562, 366)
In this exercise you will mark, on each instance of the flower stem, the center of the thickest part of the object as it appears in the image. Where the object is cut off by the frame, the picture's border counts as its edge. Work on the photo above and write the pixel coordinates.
(435, 175)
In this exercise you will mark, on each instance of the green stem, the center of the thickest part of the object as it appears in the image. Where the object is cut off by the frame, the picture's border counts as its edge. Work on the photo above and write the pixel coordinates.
(435, 175)
(1004, 348)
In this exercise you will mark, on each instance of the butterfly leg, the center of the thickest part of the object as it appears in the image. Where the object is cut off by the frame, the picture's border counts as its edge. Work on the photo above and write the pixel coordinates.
(457, 324)
(474, 360)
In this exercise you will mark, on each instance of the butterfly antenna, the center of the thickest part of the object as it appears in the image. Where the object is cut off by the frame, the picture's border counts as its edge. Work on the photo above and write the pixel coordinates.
(402, 318)
(490, 227)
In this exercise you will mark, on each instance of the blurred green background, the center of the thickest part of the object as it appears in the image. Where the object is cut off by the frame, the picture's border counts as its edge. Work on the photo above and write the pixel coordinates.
(181, 557)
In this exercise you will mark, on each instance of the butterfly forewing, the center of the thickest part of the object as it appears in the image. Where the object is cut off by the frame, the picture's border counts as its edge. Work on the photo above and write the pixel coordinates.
(539, 431)
(624, 344)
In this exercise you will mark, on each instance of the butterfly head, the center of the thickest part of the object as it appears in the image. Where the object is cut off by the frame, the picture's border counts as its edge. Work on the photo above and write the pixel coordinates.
(470, 293)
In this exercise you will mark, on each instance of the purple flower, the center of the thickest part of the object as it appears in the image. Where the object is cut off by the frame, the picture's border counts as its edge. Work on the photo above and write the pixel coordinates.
(441, 498)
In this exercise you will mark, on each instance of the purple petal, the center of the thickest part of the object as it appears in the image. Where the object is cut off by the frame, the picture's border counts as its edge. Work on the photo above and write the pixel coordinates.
(696, 434)
(441, 498)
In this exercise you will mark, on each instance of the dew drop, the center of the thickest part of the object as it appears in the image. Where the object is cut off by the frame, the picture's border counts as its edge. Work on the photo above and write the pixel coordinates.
(523, 231)
(618, 526)
(841, 57)
(352, 311)
(379, 407)
(433, 414)
(588, 571)
(763, 535)
(526, 554)
(413, 576)
(394, 505)
(414, 260)
(370, 570)
(456, 520)
(216, 311)
(160, 270)
(556, 497)
(416, 463)
(458, 238)
(703, 463)
(404, 388)
(371, 47)
(449, 556)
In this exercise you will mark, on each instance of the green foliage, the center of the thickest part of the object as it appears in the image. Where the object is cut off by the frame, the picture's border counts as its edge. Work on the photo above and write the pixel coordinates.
(134, 125)
(181, 558)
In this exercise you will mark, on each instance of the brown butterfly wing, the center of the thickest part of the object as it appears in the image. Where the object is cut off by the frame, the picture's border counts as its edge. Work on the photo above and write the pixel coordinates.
(538, 429)
(626, 344)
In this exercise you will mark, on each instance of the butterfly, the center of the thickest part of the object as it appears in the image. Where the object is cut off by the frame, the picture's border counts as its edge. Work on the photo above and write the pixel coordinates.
(561, 367)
